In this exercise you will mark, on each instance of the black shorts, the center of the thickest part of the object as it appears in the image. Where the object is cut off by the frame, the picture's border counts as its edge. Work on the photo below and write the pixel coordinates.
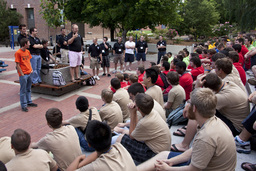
(139, 151)
(129, 57)
(105, 61)
(141, 56)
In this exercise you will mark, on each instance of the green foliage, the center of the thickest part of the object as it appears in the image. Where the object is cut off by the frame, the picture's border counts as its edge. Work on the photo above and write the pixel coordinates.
(172, 33)
(51, 10)
(8, 18)
(158, 32)
(199, 16)
(123, 14)
(138, 33)
(223, 29)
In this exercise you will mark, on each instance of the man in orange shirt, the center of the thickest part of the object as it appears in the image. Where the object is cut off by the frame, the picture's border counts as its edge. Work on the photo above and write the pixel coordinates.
(23, 65)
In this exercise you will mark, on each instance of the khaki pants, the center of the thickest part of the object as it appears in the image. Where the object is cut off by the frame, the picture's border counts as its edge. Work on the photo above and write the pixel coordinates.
(64, 56)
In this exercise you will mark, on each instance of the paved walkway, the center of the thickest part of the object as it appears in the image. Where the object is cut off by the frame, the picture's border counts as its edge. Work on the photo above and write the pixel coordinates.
(11, 116)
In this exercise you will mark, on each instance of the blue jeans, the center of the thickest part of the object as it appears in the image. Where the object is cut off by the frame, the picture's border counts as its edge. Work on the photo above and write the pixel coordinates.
(174, 154)
(160, 54)
(83, 142)
(36, 66)
(25, 90)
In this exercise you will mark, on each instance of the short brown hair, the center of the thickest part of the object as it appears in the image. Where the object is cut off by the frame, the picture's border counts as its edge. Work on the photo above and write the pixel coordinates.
(225, 65)
(133, 78)
(205, 101)
(212, 51)
(23, 42)
(234, 56)
(54, 117)
(173, 77)
(144, 102)
(120, 76)
(107, 95)
(20, 140)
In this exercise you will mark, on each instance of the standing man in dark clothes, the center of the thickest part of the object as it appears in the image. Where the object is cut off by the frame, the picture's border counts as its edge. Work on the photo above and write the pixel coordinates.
(75, 47)
(105, 56)
(141, 50)
(34, 48)
(95, 57)
(118, 52)
(63, 40)
(23, 32)
(161, 46)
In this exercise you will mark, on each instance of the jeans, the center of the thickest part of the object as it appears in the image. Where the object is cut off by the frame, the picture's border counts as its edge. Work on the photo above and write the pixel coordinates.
(174, 154)
(160, 54)
(36, 66)
(249, 121)
(25, 90)
(83, 142)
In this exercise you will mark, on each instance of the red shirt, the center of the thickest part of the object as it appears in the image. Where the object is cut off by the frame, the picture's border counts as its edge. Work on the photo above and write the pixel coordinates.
(123, 84)
(244, 50)
(186, 82)
(160, 82)
(165, 72)
(168, 89)
(140, 77)
(113, 89)
(190, 67)
(197, 71)
(241, 71)
(172, 70)
(241, 59)
(200, 56)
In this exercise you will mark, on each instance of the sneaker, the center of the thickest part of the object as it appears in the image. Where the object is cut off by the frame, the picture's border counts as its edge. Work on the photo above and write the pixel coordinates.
(24, 109)
(252, 81)
(103, 74)
(109, 75)
(114, 71)
(32, 105)
(97, 77)
(244, 147)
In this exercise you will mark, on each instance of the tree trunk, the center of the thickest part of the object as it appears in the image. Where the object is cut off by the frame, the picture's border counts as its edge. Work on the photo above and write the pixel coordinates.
(124, 35)
(112, 34)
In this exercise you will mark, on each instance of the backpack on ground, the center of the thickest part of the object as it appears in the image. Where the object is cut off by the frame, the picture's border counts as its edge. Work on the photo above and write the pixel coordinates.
(176, 116)
(90, 82)
(164, 79)
(58, 79)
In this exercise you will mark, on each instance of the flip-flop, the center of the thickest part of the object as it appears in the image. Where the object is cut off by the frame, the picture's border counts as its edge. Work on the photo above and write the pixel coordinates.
(73, 81)
(175, 149)
(252, 167)
(182, 134)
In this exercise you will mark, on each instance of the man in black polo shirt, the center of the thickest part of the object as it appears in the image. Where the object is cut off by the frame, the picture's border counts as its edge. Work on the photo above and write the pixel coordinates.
(118, 52)
(95, 57)
(23, 32)
(63, 40)
(34, 48)
(141, 50)
(105, 56)
(161, 46)
(75, 46)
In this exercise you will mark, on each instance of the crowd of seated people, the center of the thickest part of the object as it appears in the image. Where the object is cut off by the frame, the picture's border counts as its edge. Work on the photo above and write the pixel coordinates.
(129, 132)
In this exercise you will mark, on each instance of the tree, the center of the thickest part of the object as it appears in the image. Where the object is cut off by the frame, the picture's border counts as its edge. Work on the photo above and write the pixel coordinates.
(8, 18)
(199, 16)
(52, 11)
(123, 14)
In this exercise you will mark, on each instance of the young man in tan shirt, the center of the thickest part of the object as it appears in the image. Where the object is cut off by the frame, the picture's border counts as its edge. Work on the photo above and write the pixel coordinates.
(80, 120)
(26, 158)
(148, 136)
(7, 153)
(111, 111)
(213, 148)
(63, 142)
(106, 157)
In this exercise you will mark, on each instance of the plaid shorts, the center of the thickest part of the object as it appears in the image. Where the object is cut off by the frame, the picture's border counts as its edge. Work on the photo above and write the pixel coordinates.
(139, 151)
(105, 61)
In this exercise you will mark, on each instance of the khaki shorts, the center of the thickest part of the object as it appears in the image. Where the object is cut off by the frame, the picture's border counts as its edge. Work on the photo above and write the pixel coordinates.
(64, 56)
(118, 57)
(94, 63)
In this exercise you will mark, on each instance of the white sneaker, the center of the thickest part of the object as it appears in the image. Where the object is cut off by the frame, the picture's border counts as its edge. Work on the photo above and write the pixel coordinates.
(114, 71)
(97, 77)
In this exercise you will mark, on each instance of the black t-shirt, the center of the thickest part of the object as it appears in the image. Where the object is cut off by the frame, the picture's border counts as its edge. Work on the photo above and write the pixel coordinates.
(95, 50)
(33, 41)
(21, 36)
(56, 50)
(76, 46)
(45, 54)
(61, 40)
(119, 48)
(104, 51)
(141, 46)
(163, 43)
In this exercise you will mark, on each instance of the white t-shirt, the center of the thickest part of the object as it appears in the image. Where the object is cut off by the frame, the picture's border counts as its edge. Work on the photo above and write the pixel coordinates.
(129, 51)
